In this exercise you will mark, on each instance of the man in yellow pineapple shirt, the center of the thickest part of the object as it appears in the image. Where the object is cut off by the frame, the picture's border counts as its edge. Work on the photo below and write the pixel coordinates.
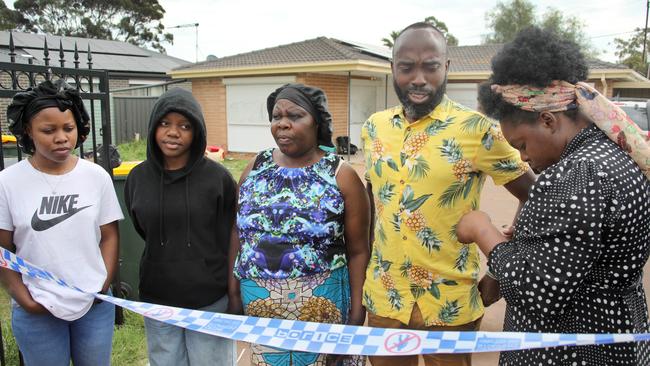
(426, 163)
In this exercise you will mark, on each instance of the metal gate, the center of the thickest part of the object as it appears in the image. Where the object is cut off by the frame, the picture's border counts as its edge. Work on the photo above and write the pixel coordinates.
(93, 87)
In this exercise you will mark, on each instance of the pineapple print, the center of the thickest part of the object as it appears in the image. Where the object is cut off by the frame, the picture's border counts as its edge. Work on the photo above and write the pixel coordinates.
(414, 220)
(451, 150)
(509, 166)
(496, 133)
(379, 208)
(369, 303)
(264, 308)
(415, 142)
(492, 134)
(381, 271)
(385, 195)
(449, 312)
(410, 157)
(377, 157)
(321, 310)
(461, 260)
(421, 279)
(378, 149)
(462, 170)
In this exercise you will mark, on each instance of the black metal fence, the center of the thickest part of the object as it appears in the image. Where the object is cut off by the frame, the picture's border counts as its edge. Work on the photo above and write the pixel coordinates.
(92, 84)
(93, 87)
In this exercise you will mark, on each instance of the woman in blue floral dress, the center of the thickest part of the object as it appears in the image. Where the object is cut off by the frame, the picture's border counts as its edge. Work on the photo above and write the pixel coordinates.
(303, 223)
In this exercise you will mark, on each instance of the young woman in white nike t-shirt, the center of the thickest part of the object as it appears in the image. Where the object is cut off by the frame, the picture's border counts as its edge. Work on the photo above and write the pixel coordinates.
(60, 213)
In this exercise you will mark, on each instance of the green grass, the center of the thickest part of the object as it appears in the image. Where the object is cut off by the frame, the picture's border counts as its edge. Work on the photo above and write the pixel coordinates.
(137, 151)
(235, 166)
(8, 340)
(133, 151)
(129, 344)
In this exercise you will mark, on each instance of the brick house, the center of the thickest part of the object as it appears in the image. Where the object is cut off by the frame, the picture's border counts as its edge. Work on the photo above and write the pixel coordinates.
(356, 78)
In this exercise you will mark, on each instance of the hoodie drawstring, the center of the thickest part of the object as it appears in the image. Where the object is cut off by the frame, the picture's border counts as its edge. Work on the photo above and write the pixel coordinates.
(162, 216)
(187, 208)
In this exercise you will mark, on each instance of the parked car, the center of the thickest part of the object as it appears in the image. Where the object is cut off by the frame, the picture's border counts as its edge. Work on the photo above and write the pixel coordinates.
(636, 109)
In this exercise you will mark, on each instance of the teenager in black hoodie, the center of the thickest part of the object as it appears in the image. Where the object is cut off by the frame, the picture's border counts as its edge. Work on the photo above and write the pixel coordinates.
(184, 206)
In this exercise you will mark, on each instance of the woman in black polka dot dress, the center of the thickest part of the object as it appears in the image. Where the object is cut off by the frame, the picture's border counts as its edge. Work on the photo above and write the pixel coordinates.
(574, 263)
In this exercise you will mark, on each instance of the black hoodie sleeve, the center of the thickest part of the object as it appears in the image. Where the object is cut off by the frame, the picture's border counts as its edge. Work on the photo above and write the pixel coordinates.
(128, 195)
(230, 197)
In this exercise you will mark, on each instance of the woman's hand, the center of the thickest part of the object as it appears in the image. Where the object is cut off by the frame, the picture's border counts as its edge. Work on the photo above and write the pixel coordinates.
(489, 289)
(235, 305)
(508, 231)
(357, 317)
(470, 224)
(31, 306)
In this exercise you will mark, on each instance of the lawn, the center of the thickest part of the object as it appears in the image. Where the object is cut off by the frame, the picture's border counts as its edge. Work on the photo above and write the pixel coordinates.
(129, 345)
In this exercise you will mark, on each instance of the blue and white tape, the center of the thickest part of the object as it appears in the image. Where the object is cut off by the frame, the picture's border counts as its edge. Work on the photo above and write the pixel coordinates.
(335, 338)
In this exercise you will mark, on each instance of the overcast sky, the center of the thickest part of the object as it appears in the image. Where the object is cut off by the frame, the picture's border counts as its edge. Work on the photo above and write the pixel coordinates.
(228, 27)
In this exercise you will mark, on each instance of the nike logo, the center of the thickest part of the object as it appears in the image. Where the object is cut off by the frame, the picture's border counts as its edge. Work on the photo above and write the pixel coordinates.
(41, 225)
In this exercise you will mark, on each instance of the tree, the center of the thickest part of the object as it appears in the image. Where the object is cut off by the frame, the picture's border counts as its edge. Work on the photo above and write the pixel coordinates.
(135, 21)
(630, 51)
(9, 19)
(451, 40)
(508, 19)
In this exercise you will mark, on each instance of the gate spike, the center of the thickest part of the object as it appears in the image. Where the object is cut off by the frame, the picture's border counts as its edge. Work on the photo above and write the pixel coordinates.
(46, 53)
(61, 54)
(12, 48)
(90, 57)
(76, 56)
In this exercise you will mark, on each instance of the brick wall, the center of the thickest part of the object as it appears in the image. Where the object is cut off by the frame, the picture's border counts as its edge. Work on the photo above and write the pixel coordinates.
(211, 94)
(114, 84)
(187, 85)
(336, 88)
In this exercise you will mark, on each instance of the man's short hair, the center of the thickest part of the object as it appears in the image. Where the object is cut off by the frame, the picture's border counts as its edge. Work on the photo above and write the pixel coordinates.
(420, 25)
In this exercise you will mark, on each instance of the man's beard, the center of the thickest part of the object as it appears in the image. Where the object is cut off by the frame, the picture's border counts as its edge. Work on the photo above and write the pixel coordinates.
(416, 111)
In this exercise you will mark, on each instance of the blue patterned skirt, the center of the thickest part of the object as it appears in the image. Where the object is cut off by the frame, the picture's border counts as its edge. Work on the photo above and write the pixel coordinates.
(323, 298)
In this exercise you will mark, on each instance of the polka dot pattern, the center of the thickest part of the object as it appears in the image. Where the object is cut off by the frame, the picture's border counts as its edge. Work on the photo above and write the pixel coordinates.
(576, 260)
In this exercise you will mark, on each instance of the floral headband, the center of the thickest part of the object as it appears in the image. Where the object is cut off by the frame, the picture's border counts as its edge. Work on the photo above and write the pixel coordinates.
(562, 96)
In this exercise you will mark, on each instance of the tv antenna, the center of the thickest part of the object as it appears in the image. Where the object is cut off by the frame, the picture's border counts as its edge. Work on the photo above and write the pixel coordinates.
(196, 38)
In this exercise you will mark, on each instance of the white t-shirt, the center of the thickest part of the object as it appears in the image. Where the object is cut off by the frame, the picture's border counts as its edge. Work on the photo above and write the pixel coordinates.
(55, 220)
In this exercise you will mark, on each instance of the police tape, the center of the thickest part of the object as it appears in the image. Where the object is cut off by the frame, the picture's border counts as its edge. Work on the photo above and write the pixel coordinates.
(334, 338)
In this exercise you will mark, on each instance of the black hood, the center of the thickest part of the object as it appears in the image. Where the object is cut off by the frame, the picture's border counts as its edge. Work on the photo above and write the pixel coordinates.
(180, 101)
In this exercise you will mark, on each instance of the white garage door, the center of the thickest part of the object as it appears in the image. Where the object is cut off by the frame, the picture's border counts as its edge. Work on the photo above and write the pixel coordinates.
(363, 103)
(463, 93)
(248, 121)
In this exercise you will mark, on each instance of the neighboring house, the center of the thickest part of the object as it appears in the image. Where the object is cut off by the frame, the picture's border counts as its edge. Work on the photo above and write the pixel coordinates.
(133, 71)
(356, 77)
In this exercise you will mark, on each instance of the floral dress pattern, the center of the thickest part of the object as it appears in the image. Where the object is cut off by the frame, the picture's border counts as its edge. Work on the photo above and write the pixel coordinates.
(292, 262)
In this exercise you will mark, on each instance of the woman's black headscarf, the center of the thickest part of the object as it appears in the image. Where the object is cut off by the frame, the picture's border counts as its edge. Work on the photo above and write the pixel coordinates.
(311, 99)
(25, 105)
